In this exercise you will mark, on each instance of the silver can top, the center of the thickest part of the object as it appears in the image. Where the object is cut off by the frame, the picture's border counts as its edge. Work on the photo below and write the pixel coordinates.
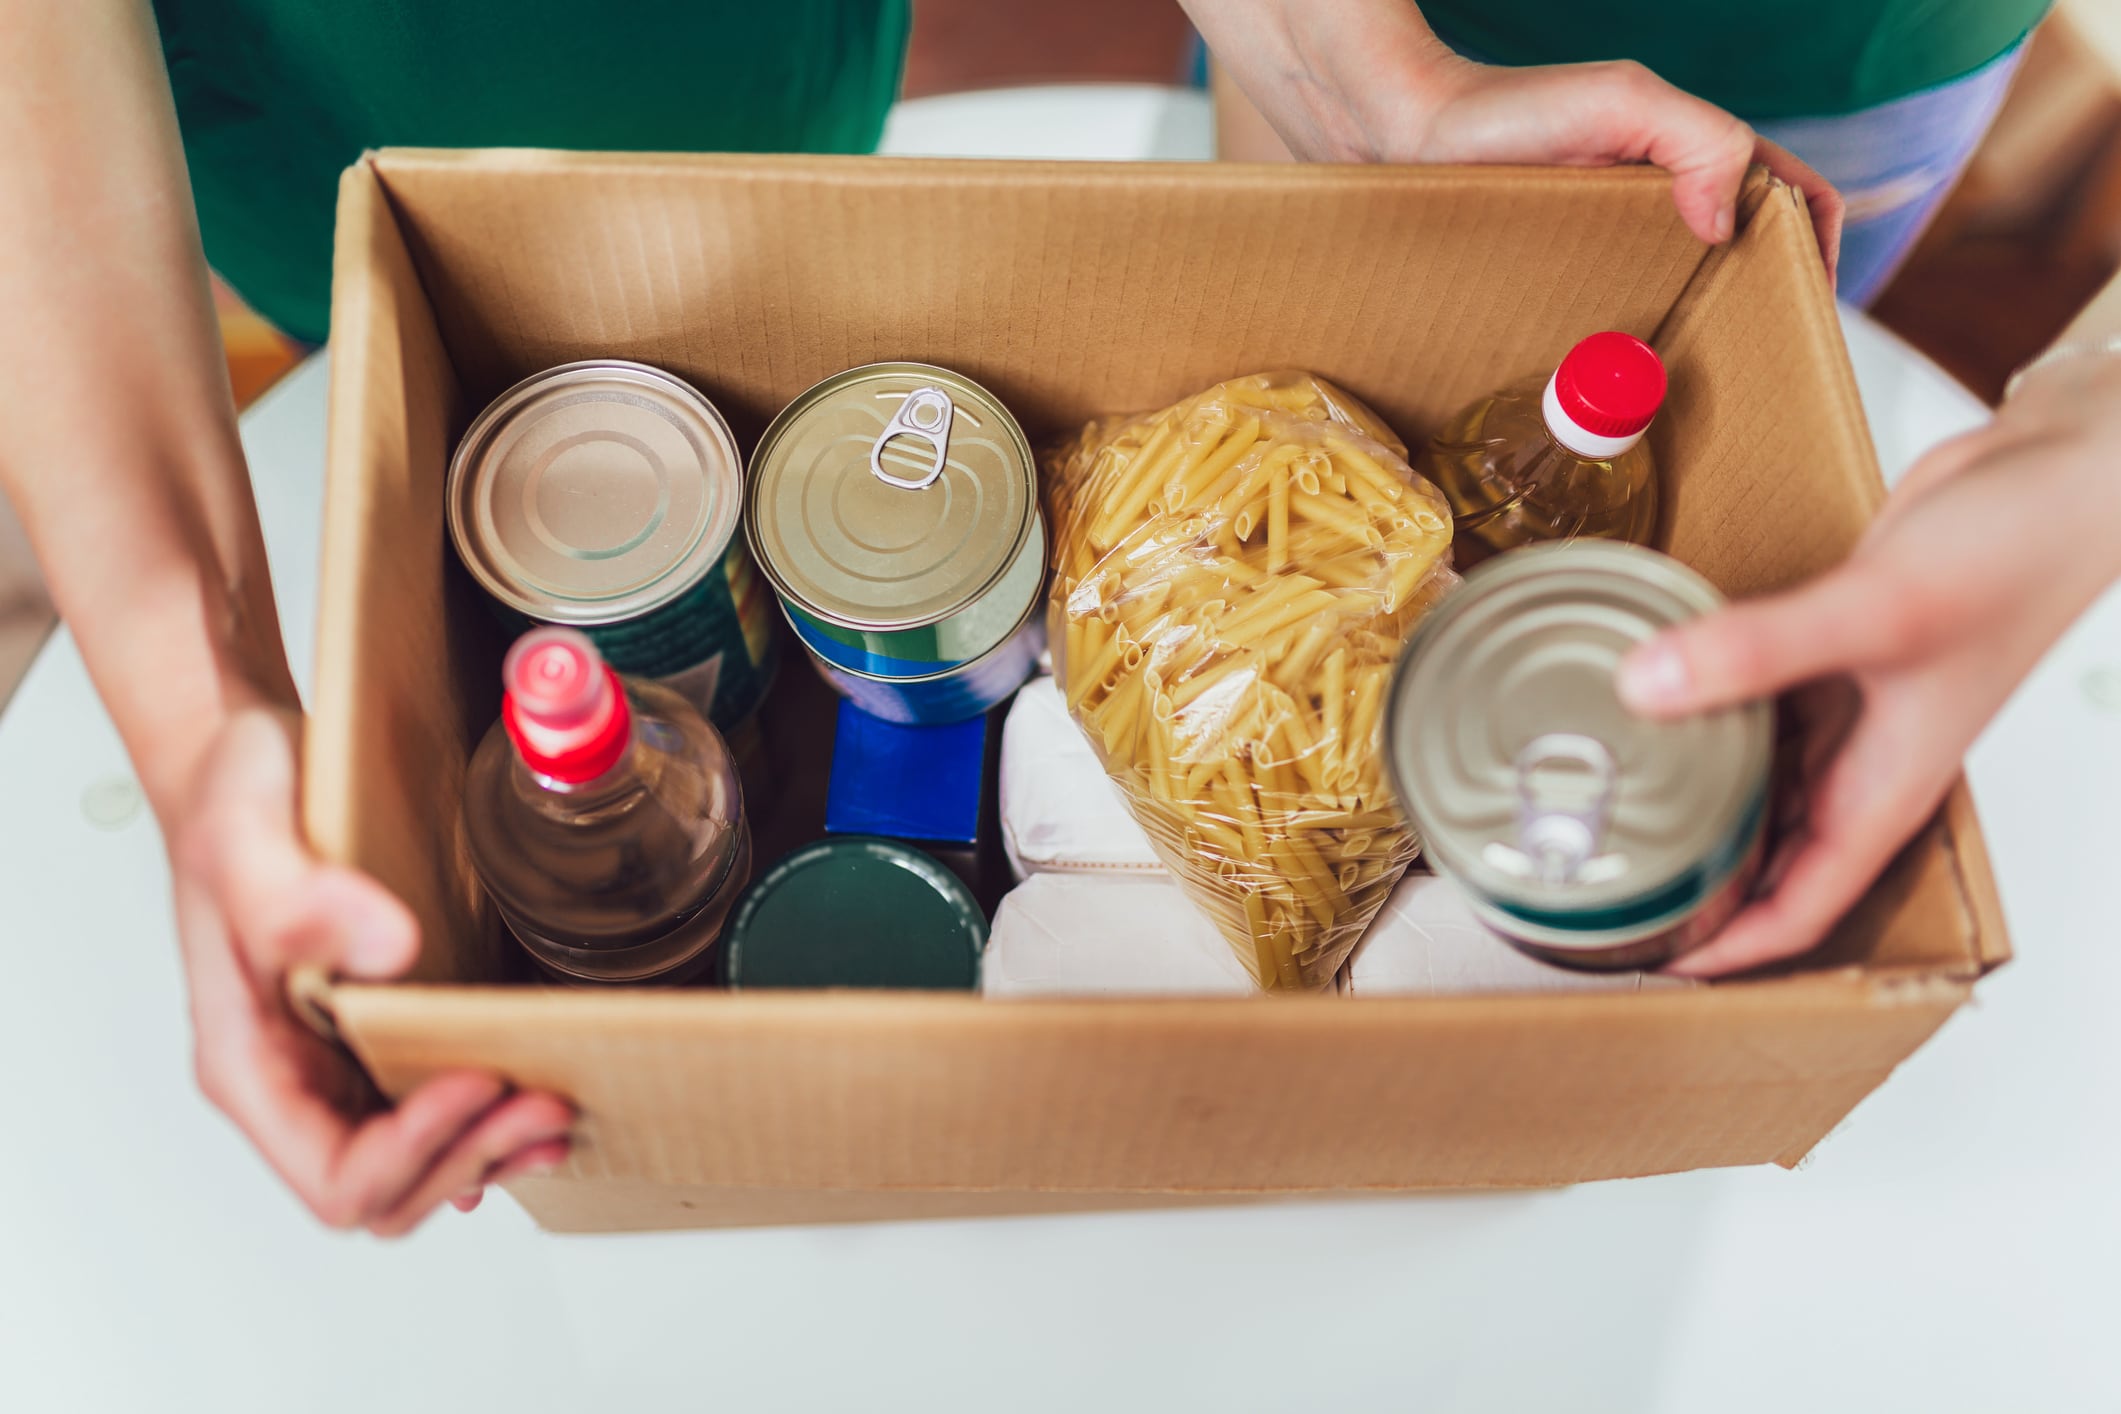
(1522, 772)
(891, 496)
(594, 492)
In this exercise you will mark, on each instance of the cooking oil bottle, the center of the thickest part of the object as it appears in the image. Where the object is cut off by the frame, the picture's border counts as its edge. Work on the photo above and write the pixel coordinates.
(604, 817)
(1560, 457)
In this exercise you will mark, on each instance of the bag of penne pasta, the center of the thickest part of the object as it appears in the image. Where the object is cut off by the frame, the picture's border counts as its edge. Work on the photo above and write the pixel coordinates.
(1235, 576)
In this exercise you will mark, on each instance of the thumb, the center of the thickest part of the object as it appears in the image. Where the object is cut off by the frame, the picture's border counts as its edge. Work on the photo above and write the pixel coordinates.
(352, 925)
(287, 908)
(280, 902)
(1706, 150)
(1754, 650)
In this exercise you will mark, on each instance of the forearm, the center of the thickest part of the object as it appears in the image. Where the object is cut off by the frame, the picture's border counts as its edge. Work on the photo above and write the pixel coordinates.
(2067, 402)
(117, 435)
(1322, 66)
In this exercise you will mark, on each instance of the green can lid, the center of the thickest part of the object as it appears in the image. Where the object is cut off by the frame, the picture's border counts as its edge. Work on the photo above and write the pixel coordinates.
(856, 911)
(891, 497)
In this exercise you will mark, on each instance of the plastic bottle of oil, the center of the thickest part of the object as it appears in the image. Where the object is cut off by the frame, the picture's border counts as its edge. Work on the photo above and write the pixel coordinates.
(605, 819)
(1556, 458)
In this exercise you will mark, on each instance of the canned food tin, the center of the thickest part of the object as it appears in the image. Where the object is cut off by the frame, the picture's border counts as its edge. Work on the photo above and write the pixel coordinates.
(957, 695)
(1588, 836)
(856, 911)
(895, 509)
(606, 495)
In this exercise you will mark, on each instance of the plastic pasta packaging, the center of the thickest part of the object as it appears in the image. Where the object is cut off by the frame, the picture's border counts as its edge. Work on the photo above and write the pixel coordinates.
(1235, 576)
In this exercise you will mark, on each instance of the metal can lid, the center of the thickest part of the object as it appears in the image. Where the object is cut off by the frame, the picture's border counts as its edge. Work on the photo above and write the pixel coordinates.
(1523, 773)
(856, 911)
(594, 492)
(890, 496)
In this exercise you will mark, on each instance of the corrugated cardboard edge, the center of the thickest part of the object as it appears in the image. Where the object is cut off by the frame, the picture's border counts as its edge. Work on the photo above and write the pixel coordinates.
(564, 1206)
(1765, 203)
(1766, 200)
(403, 1021)
(360, 326)
(1977, 878)
(381, 336)
(329, 830)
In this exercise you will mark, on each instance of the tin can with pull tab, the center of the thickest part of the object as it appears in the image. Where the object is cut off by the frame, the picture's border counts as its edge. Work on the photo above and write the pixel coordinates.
(1589, 837)
(895, 509)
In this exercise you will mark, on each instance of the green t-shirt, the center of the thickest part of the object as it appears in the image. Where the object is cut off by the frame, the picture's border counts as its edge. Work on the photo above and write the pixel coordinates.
(1760, 59)
(277, 97)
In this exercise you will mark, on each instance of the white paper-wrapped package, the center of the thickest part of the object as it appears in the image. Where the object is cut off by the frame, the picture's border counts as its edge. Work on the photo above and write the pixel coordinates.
(1060, 811)
(1427, 941)
(1107, 935)
(1110, 935)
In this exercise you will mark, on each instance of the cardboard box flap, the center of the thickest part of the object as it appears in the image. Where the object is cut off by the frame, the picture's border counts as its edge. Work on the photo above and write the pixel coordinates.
(1976, 878)
(1761, 378)
(390, 719)
(1076, 290)
(941, 1092)
(1072, 289)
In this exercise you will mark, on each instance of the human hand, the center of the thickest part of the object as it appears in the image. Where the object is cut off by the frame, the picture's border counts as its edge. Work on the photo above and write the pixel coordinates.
(1989, 548)
(1369, 82)
(251, 903)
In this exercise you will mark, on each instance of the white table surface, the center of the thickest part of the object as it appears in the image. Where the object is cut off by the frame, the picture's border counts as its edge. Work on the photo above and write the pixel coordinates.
(1953, 1247)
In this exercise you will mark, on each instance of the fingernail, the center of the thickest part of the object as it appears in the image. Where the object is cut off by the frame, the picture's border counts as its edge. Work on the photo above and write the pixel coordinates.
(1653, 676)
(1725, 221)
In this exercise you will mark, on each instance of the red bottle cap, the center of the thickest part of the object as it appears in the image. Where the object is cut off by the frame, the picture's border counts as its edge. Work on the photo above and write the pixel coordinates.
(1610, 384)
(563, 708)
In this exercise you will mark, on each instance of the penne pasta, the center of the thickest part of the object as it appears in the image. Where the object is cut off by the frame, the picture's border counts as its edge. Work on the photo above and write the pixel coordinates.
(1131, 493)
(1235, 577)
(1408, 575)
(1364, 471)
(1294, 671)
(1368, 696)
(1221, 460)
(1333, 707)
(1278, 521)
(1340, 515)
(1190, 691)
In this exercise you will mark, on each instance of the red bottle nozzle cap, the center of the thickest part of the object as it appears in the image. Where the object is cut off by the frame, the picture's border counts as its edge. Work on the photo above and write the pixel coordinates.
(1610, 384)
(563, 708)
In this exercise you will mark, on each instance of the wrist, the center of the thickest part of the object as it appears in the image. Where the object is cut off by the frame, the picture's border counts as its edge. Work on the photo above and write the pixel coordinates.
(1394, 83)
(2063, 411)
(1354, 82)
(190, 658)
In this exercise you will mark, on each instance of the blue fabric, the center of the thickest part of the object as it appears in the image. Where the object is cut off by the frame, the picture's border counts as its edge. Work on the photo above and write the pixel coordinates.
(1894, 165)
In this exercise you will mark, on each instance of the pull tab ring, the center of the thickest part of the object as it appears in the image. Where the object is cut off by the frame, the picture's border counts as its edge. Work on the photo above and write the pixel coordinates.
(1560, 836)
(926, 414)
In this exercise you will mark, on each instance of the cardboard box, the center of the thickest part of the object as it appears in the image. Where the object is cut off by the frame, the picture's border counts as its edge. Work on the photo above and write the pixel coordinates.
(1072, 290)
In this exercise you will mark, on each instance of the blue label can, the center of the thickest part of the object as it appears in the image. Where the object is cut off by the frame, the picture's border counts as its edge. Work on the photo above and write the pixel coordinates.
(895, 510)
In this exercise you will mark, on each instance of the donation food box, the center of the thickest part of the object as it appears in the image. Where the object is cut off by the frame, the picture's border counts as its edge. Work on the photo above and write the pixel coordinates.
(1072, 291)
